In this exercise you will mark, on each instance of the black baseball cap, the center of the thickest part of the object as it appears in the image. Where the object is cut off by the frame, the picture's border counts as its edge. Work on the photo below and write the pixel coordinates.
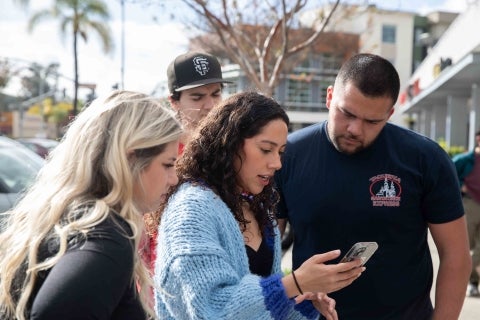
(193, 69)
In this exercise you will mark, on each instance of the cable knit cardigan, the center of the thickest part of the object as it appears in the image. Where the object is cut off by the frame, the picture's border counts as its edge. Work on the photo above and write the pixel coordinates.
(202, 270)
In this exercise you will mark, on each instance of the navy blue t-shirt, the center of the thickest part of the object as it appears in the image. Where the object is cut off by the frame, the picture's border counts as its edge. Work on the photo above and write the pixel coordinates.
(386, 193)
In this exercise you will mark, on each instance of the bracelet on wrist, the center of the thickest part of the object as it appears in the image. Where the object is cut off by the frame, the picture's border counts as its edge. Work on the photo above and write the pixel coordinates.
(296, 283)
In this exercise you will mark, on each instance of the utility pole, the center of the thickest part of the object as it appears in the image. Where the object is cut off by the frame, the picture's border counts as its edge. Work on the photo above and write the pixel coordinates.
(122, 68)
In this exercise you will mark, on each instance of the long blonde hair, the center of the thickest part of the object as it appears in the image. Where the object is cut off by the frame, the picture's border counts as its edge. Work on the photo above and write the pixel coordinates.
(90, 167)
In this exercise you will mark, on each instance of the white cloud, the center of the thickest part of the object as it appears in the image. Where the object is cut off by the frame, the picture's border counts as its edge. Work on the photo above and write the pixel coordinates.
(149, 47)
(455, 5)
(423, 7)
(149, 51)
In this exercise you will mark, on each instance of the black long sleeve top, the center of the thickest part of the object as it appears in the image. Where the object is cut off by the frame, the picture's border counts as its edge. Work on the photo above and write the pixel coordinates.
(93, 280)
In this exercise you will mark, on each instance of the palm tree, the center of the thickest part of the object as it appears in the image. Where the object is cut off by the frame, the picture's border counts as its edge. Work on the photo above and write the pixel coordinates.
(77, 17)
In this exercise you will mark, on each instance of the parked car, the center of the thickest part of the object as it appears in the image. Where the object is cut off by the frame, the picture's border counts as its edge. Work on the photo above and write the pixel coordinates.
(18, 168)
(41, 146)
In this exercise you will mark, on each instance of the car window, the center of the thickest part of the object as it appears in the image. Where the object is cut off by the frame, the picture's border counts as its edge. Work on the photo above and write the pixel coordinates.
(18, 168)
(49, 144)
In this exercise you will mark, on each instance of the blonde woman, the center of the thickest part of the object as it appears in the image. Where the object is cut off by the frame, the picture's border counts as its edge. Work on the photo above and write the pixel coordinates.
(70, 250)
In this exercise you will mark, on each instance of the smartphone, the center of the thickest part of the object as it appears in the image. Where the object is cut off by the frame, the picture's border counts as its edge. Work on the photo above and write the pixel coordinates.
(362, 251)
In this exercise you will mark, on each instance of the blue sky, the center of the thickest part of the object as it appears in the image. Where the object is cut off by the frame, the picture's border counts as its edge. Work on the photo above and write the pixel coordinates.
(150, 45)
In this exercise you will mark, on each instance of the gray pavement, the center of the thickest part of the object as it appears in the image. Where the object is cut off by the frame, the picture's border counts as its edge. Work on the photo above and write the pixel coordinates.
(471, 306)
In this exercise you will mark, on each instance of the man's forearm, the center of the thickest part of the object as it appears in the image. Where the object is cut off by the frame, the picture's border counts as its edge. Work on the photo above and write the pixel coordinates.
(452, 280)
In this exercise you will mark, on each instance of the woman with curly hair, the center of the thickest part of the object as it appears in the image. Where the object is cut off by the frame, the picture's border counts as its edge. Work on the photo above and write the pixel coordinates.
(70, 250)
(218, 254)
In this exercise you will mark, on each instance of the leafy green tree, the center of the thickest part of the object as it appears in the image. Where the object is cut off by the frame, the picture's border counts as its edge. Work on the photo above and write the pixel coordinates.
(35, 82)
(5, 73)
(77, 18)
(451, 150)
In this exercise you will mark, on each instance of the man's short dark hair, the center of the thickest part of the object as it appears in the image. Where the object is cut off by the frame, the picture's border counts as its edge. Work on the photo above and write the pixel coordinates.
(373, 75)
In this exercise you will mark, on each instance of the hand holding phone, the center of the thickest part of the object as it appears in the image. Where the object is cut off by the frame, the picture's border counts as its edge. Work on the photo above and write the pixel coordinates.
(360, 250)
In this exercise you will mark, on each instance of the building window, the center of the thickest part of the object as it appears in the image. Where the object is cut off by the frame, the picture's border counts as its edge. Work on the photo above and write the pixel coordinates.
(330, 62)
(419, 35)
(304, 88)
(389, 34)
(230, 88)
(299, 89)
(323, 86)
(320, 63)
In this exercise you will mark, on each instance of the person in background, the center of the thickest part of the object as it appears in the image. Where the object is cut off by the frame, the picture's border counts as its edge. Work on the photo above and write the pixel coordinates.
(70, 250)
(218, 253)
(195, 83)
(468, 170)
(356, 178)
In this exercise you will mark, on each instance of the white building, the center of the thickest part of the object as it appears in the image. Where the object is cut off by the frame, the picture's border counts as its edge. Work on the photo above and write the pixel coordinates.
(391, 34)
(445, 100)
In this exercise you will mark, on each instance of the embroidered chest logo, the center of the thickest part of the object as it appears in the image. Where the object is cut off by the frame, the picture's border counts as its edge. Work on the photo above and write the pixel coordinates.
(201, 65)
(385, 190)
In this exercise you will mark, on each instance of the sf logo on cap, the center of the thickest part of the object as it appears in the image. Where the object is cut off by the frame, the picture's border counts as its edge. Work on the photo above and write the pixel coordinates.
(201, 65)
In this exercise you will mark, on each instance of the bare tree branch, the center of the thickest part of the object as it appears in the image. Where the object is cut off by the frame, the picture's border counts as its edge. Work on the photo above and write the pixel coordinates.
(319, 31)
(262, 50)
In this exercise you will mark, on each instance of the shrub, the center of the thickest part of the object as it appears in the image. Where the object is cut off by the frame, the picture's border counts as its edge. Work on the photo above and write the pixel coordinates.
(452, 150)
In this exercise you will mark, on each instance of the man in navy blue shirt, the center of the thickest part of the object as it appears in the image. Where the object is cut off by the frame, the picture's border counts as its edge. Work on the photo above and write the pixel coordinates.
(356, 178)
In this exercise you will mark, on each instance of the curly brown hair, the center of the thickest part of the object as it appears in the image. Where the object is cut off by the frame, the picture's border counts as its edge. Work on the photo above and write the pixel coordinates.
(209, 157)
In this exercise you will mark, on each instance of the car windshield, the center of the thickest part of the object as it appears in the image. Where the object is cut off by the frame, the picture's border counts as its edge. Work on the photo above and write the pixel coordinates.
(18, 168)
(49, 144)
(46, 143)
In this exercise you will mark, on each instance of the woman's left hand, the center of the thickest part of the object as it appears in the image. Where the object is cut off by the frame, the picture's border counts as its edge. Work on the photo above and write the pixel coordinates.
(322, 302)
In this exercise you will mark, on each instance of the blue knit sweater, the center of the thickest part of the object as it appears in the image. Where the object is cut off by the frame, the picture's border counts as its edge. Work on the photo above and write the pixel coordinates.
(202, 271)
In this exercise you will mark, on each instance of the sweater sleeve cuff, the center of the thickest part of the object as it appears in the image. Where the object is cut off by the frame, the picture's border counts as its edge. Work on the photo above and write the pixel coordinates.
(307, 309)
(276, 300)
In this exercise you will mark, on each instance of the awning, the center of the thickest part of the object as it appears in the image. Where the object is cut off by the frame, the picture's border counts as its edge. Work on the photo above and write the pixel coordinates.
(455, 80)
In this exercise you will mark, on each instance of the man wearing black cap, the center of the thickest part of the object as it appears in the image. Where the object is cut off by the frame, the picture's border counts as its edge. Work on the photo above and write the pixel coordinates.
(195, 82)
